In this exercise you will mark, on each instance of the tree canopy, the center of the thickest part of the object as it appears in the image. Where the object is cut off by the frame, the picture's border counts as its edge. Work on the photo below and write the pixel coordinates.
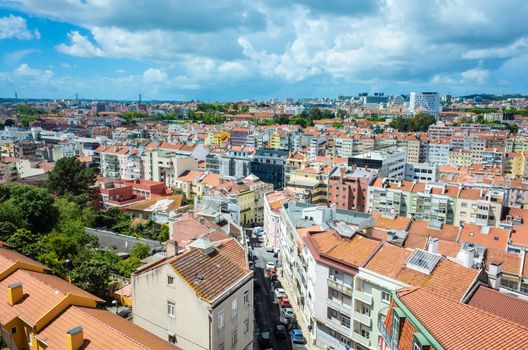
(419, 122)
(71, 177)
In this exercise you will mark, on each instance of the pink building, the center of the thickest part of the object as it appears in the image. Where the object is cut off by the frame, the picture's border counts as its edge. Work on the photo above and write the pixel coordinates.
(272, 205)
(348, 187)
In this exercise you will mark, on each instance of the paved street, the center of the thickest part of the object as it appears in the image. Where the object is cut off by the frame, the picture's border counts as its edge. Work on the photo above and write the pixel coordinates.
(266, 312)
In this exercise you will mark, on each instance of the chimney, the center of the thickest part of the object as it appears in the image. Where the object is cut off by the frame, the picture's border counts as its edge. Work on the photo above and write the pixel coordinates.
(433, 245)
(171, 248)
(467, 257)
(15, 293)
(495, 274)
(74, 338)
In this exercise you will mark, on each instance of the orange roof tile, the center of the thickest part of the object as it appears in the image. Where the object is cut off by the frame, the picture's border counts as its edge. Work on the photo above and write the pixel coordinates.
(447, 278)
(450, 322)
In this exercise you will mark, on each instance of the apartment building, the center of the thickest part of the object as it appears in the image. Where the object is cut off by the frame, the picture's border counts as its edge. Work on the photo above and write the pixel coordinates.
(236, 162)
(348, 187)
(269, 166)
(438, 152)
(389, 163)
(182, 299)
(481, 206)
(40, 311)
(166, 166)
(417, 319)
(310, 183)
(273, 202)
(394, 268)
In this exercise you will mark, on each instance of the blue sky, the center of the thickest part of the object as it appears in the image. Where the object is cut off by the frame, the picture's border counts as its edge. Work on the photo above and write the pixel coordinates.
(257, 49)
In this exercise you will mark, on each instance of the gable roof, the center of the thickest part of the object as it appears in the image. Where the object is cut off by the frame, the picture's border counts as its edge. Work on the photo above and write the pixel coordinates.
(459, 326)
(500, 304)
(208, 274)
(447, 278)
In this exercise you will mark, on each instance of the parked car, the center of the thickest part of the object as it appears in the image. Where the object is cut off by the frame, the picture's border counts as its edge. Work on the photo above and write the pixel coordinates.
(251, 265)
(293, 325)
(288, 312)
(284, 303)
(297, 336)
(279, 293)
(265, 340)
(269, 249)
(270, 265)
(281, 332)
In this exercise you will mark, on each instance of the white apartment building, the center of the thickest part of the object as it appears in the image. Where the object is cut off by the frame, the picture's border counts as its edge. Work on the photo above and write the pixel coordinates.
(183, 300)
(166, 166)
(425, 102)
(438, 153)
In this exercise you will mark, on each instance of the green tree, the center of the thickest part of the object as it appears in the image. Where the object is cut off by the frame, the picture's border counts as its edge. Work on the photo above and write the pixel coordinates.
(127, 266)
(6, 230)
(140, 251)
(71, 176)
(29, 207)
(92, 275)
(338, 125)
(25, 242)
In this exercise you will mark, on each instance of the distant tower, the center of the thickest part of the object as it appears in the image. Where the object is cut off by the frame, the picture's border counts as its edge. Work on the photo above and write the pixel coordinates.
(16, 96)
(139, 98)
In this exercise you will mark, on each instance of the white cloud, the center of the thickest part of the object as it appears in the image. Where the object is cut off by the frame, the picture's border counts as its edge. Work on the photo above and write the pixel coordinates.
(15, 27)
(154, 75)
(79, 46)
(514, 49)
(477, 76)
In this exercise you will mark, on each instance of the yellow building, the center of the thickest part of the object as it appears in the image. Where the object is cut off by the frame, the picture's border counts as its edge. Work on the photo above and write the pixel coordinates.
(310, 183)
(41, 311)
(216, 138)
(515, 164)
(460, 158)
(275, 140)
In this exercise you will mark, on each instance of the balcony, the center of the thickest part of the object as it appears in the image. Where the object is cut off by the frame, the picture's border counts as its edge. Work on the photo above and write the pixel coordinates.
(340, 286)
(325, 339)
(362, 296)
(391, 343)
(362, 318)
(358, 338)
(340, 306)
(337, 325)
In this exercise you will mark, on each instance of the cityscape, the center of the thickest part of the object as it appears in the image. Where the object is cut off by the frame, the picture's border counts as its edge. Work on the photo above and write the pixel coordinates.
(337, 175)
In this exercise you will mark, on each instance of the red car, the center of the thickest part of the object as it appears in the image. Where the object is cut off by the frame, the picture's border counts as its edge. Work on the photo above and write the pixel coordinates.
(284, 302)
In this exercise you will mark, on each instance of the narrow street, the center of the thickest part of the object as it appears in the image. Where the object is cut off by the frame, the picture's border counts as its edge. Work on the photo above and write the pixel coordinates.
(266, 311)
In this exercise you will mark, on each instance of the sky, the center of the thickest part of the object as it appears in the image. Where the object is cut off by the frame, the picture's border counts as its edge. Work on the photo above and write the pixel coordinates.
(226, 50)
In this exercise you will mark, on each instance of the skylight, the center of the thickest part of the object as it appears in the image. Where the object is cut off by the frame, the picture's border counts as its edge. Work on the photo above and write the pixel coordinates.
(423, 261)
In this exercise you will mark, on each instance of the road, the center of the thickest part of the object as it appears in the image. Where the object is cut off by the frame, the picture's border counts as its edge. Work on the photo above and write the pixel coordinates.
(266, 312)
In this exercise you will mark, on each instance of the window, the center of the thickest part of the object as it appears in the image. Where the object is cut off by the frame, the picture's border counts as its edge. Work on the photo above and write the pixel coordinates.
(234, 308)
(395, 324)
(234, 338)
(365, 333)
(13, 330)
(170, 279)
(221, 319)
(246, 326)
(172, 338)
(170, 308)
(385, 296)
(246, 297)
(345, 321)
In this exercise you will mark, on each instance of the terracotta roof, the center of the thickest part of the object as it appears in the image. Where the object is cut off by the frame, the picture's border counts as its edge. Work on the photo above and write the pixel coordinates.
(459, 326)
(329, 244)
(500, 304)
(419, 233)
(519, 236)
(400, 223)
(208, 274)
(186, 228)
(491, 237)
(232, 249)
(447, 278)
(9, 257)
(511, 262)
(101, 330)
(167, 203)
